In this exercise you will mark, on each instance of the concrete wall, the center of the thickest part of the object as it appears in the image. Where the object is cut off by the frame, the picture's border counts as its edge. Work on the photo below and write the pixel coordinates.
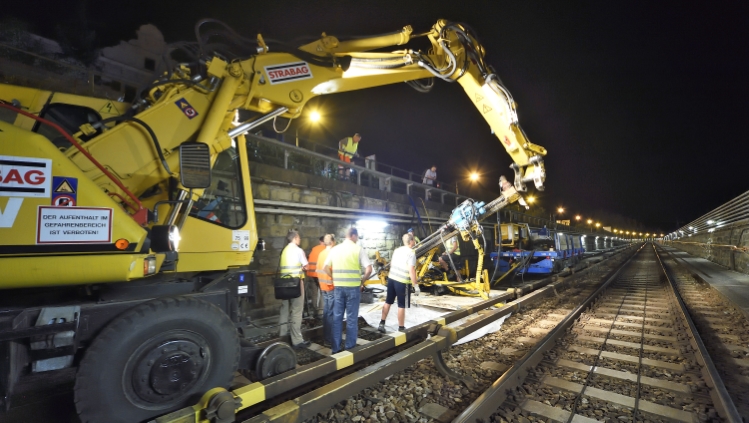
(712, 246)
(271, 183)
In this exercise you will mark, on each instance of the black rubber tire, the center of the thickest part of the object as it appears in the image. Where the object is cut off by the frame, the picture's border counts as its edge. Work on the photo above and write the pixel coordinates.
(100, 386)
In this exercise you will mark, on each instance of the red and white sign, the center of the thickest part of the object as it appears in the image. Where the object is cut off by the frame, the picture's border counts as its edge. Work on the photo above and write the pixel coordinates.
(73, 225)
(288, 72)
(64, 201)
(25, 176)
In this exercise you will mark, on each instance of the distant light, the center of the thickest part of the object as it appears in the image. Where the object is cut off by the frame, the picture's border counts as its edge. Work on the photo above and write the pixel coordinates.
(709, 222)
(474, 176)
(560, 210)
(578, 217)
(691, 227)
(531, 199)
(314, 116)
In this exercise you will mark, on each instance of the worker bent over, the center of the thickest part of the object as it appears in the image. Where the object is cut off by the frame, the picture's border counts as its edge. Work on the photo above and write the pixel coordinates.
(400, 279)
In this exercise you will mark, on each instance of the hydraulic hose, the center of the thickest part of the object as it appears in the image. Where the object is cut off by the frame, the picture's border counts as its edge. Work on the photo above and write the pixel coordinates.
(148, 129)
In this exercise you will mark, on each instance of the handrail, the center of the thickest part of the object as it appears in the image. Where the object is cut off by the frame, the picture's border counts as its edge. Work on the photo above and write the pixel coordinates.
(735, 210)
(287, 148)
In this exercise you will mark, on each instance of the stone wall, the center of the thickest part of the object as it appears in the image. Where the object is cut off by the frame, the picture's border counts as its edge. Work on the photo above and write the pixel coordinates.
(714, 246)
(271, 183)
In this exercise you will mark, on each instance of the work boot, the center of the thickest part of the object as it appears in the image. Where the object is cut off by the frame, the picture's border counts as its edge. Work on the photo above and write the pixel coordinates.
(381, 328)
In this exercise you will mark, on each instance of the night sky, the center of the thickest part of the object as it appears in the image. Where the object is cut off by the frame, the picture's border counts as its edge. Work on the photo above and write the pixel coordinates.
(638, 103)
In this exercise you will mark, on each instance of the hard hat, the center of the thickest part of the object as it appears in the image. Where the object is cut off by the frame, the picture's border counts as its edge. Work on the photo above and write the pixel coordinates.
(410, 230)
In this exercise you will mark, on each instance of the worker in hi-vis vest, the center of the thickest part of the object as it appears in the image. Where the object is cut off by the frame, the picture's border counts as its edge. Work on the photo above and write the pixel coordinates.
(347, 260)
(347, 148)
(293, 263)
(401, 278)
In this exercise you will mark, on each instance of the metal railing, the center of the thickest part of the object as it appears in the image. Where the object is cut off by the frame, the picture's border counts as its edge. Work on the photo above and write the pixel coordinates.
(731, 212)
(374, 165)
(323, 161)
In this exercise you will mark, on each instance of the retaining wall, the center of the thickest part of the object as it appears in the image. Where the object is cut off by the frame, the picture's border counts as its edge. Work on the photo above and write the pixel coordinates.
(711, 246)
(272, 183)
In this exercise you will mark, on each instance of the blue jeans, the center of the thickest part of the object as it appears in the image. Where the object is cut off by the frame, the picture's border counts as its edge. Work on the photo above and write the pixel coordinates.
(328, 298)
(346, 298)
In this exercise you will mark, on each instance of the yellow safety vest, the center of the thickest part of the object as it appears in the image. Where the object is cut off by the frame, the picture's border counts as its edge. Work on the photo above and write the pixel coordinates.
(398, 267)
(290, 264)
(345, 262)
(349, 150)
(449, 242)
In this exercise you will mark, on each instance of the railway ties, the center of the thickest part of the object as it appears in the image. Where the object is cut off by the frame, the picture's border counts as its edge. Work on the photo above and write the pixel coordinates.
(619, 350)
(633, 356)
(725, 330)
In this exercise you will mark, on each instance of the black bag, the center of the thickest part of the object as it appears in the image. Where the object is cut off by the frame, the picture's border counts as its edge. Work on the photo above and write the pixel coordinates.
(286, 287)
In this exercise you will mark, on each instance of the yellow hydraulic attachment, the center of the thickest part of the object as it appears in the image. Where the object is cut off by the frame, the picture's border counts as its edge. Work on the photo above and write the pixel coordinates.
(149, 204)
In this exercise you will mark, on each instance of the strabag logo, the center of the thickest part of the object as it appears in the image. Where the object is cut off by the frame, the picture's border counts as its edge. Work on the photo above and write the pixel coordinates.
(25, 177)
(288, 72)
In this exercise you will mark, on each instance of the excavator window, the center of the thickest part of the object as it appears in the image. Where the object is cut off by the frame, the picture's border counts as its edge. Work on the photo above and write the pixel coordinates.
(223, 203)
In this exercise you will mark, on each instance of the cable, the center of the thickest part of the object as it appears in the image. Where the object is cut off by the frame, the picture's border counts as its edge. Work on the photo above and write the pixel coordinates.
(420, 87)
(148, 129)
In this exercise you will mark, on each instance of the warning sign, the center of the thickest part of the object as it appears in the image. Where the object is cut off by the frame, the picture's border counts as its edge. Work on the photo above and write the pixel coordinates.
(240, 240)
(288, 72)
(186, 108)
(64, 191)
(74, 225)
(63, 201)
(109, 109)
(25, 176)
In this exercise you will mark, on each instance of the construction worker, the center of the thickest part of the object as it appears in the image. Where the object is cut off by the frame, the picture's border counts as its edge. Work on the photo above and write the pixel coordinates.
(347, 148)
(326, 290)
(416, 238)
(345, 263)
(313, 257)
(452, 253)
(401, 277)
(293, 263)
(312, 274)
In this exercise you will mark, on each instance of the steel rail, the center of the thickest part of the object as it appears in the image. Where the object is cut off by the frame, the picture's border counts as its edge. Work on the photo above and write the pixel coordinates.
(721, 398)
(323, 398)
(488, 402)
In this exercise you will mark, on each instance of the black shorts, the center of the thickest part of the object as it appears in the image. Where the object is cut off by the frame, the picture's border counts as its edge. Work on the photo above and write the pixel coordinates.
(455, 260)
(397, 290)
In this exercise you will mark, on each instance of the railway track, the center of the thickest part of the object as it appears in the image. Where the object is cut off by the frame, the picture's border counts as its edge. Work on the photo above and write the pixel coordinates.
(635, 355)
(616, 346)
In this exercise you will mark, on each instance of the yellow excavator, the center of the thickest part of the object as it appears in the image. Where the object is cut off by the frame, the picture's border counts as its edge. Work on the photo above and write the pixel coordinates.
(126, 229)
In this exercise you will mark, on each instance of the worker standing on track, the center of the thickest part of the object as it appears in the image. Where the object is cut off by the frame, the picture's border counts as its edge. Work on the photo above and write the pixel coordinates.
(347, 149)
(344, 264)
(293, 262)
(402, 274)
(326, 289)
(312, 274)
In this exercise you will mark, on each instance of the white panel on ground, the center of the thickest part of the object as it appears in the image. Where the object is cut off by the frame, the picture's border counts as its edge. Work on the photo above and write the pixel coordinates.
(418, 314)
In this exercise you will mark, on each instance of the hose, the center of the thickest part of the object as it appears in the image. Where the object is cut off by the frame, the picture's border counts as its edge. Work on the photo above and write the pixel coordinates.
(150, 132)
